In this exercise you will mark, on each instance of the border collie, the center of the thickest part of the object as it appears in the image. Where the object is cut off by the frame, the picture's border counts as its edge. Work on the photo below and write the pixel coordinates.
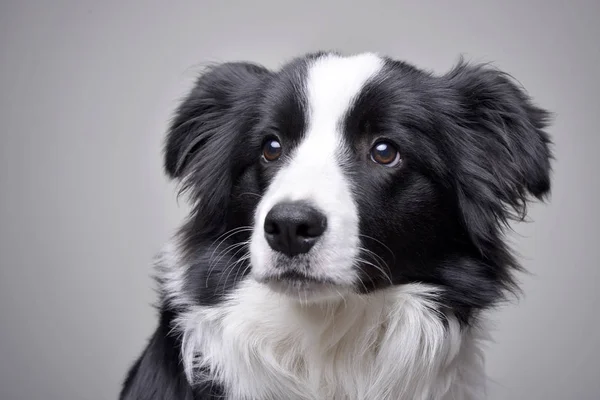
(347, 230)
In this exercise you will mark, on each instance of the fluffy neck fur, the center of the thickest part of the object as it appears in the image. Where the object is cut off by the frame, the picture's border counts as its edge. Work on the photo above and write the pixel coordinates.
(392, 344)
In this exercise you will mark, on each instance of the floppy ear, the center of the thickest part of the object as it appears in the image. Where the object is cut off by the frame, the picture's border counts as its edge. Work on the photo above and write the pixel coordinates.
(503, 156)
(206, 127)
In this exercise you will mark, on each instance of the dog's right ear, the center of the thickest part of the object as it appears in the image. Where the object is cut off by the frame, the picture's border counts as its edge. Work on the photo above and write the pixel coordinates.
(210, 117)
(207, 131)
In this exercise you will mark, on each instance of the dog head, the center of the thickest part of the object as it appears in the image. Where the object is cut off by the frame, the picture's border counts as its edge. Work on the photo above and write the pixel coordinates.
(349, 174)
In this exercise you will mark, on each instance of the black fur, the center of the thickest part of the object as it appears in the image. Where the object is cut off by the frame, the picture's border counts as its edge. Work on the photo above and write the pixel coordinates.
(473, 149)
(158, 373)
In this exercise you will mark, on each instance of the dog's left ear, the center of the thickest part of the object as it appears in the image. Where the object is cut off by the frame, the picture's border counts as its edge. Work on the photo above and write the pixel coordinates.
(503, 152)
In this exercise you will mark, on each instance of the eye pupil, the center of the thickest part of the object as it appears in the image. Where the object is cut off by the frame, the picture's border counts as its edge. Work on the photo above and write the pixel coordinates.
(271, 150)
(384, 153)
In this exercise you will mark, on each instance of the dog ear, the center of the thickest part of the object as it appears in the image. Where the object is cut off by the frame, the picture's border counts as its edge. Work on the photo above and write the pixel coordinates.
(503, 156)
(214, 108)
(205, 130)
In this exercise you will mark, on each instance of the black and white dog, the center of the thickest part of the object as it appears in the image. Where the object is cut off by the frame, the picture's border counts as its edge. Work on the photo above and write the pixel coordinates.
(347, 230)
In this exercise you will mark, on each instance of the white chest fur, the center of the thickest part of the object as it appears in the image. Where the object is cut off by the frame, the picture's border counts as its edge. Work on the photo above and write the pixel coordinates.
(388, 345)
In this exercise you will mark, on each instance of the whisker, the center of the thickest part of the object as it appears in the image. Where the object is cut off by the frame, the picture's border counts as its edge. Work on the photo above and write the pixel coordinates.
(215, 261)
(242, 247)
(376, 258)
(362, 283)
(212, 262)
(229, 248)
(378, 268)
(230, 268)
(229, 234)
(380, 242)
(372, 253)
(244, 271)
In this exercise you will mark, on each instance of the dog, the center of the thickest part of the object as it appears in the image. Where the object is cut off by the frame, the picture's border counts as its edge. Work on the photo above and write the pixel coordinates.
(347, 230)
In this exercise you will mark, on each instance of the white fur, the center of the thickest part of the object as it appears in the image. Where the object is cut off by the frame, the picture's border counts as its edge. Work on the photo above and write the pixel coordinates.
(387, 345)
(314, 173)
(170, 274)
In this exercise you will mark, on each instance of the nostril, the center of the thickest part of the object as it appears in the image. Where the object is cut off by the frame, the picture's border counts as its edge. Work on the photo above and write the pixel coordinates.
(303, 230)
(271, 227)
(311, 230)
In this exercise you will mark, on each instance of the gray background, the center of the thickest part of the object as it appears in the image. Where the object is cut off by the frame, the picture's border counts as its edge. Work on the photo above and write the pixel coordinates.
(86, 91)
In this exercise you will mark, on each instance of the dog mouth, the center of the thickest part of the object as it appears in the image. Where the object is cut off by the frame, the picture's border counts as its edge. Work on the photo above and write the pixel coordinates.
(295, 283)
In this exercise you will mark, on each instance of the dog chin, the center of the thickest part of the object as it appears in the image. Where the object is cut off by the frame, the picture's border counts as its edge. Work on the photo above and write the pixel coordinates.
(304, 288)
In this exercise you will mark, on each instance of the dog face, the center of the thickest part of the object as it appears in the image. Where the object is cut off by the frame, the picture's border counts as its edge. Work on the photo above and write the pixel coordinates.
(349, 174)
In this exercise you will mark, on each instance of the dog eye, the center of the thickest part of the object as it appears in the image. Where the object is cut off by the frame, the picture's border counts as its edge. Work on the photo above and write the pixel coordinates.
(271, 150)
(385, 153)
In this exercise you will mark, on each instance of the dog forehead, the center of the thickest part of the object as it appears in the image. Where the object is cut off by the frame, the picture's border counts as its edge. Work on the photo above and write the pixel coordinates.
(333, 83)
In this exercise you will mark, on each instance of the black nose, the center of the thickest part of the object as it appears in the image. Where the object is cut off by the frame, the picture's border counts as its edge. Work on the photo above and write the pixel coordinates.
(294, 228)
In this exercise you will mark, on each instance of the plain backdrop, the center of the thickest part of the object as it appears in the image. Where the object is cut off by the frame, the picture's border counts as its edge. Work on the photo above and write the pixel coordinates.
(87, 89)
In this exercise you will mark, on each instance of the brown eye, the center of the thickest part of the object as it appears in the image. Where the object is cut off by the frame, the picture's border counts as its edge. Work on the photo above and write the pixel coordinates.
(385, 153)
(271, 150)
